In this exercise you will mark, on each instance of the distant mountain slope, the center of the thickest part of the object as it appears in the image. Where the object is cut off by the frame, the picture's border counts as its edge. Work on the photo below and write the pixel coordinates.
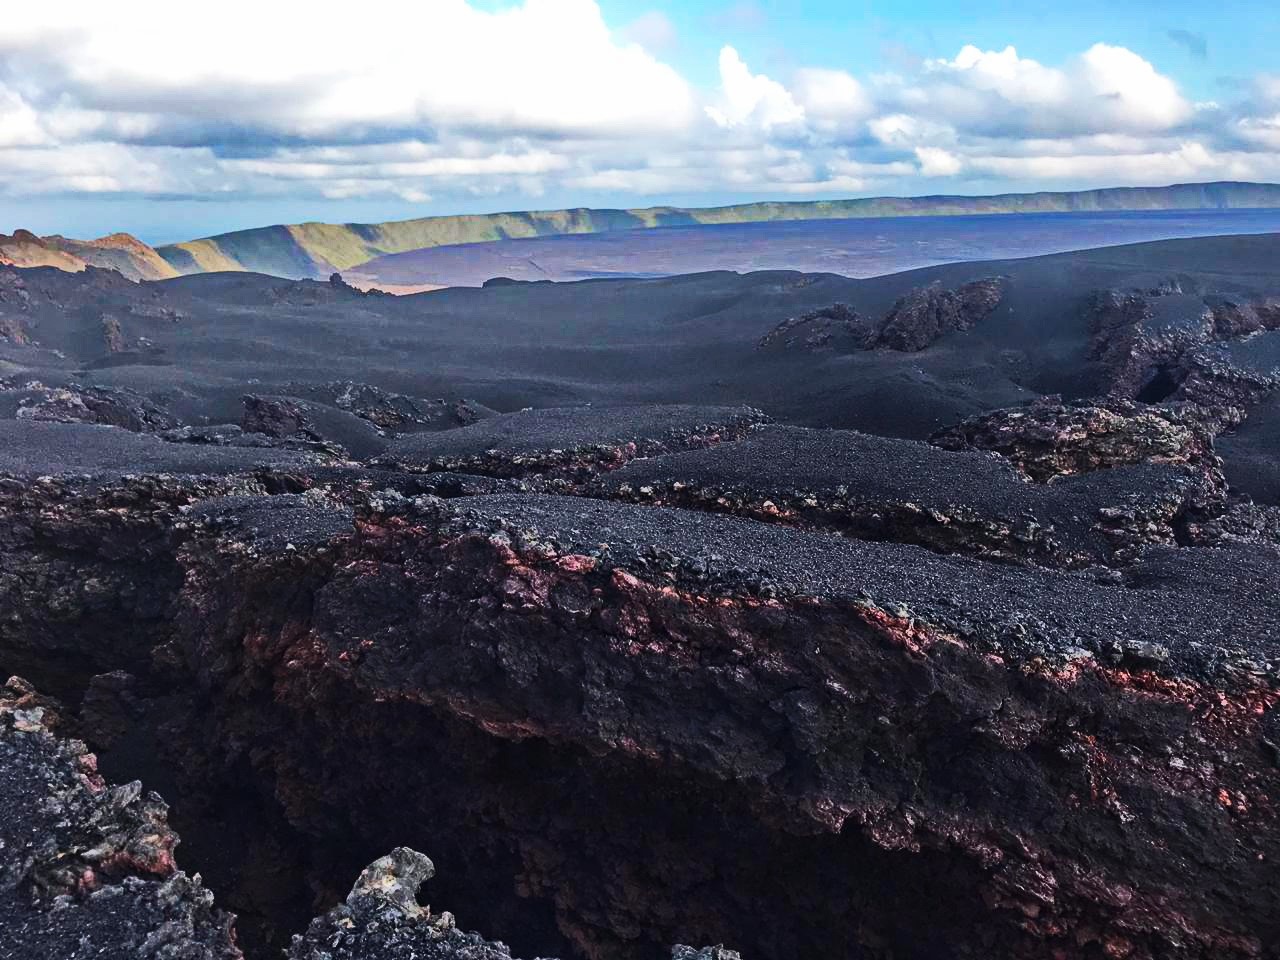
(860, 247)
(318, 249)
(119, 251)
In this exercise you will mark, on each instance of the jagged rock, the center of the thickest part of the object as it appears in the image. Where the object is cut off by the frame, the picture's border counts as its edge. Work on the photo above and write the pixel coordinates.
(841, 709)
(837, 327)
(928, 313)
(1241, 523)
(1051, 439)
(706, 953)
(117, 407)
(112, 335)
(87, 870)
(1233, 319)
(276, 417)
(569, 442)
(877, 488)
(394, 412)
(915, 321)
(290, 419)
(1151, 344)
(382, 920)
(12, 331)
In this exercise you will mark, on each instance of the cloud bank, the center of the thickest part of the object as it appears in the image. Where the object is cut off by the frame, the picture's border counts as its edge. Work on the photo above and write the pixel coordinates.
(423, 101)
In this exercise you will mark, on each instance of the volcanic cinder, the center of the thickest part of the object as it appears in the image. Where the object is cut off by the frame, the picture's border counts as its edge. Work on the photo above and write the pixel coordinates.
(923, 616)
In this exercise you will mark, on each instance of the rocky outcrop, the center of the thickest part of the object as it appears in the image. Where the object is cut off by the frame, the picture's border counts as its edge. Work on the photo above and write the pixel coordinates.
(289, 420)
(928, 313)
(587, 710)
(278, 417)
(1053, 439)
(12, 331)
(843, 710)
(381, 919)
(915, 322)
(837, 327)
(117, 407)
(394, 412)
(86, 869)
(570, 443)
(112, 335)
(875, 488)
(1151, 345)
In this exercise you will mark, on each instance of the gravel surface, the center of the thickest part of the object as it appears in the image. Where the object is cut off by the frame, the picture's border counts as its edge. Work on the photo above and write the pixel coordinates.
(1201, 613)
(33, 449)
(566, 428)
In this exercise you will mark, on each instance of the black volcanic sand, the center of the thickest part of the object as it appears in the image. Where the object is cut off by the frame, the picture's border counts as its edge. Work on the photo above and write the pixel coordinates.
(1251, 454)
(32, 449)
(1029, 612)
(693, 339)
(787, 463)
(216, 607)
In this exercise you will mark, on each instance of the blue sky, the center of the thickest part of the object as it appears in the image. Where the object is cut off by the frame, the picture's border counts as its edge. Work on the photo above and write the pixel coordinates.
(172, 125)
(776, 34)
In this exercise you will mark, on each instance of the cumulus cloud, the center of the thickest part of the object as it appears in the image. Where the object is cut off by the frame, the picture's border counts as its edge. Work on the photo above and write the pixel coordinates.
(653, 30)
(1106, 88)
(526, 97)
(833, 100)
(751, 99)
(546, 66)
(936, 162)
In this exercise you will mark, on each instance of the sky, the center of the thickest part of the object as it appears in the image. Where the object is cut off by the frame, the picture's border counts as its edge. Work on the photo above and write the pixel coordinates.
(175, 122)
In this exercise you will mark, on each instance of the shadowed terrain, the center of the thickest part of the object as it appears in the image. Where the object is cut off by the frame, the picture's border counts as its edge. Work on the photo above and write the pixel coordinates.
(863, 247)
(317, 249)
(930, 615)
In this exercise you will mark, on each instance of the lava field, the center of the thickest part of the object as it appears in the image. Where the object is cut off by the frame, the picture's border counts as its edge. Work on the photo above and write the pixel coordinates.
(775, 615)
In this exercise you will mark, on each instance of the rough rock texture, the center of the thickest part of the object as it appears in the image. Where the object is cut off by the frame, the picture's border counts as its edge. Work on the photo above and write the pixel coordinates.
(928, 313)
(112, 335)
(1053, 439)
(571, 442)
(395, 412)
(88, 869)
(13, 331)
(880, 489)
(117, 407)
(837, 327)
(676, 688)
(87, 569)
(1242, 523)
(322, 429)
(915, 321)
(277, 417)
(620, 726)
(382, 920)
(1151, 343)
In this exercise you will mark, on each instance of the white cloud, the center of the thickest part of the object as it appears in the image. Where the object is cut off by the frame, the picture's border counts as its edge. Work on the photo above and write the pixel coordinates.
(1106, 88)
(653, 30)
(1264, 131)
(751, 99)
(903, 130)
(833, 101)
(451, 99)
(936, 162)
(548, 66)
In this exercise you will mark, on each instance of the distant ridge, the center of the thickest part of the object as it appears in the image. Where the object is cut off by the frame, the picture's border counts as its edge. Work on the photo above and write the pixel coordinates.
(319, 249)
(119, 251)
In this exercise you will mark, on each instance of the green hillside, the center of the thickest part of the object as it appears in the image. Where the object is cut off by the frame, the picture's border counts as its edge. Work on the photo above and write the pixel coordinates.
(318, 249)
